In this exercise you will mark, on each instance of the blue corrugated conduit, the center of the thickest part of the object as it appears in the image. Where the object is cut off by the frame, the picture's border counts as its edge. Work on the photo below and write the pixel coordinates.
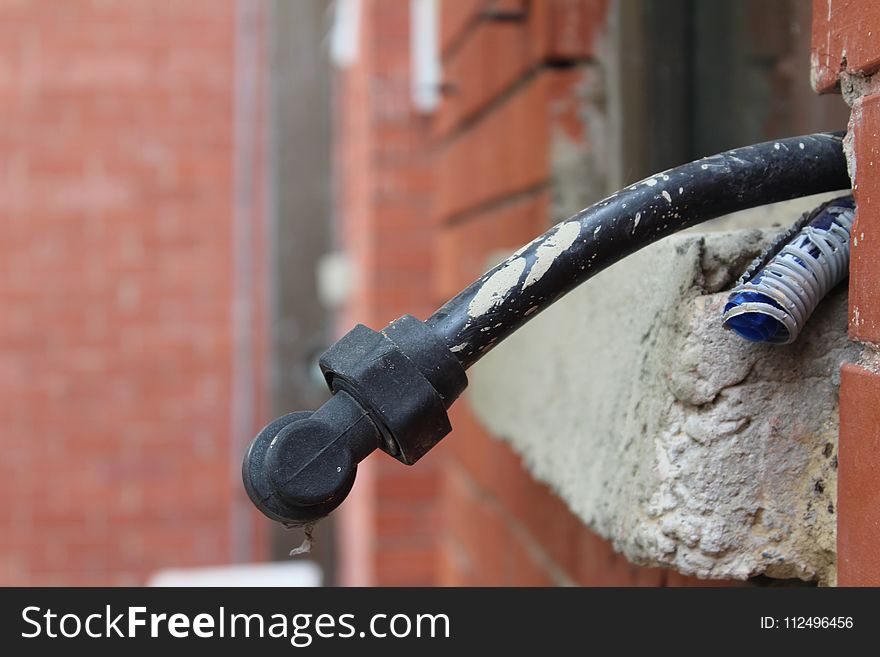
(780, 290)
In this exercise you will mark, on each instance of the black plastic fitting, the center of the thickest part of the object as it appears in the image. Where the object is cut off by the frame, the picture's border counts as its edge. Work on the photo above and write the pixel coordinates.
(390, 390)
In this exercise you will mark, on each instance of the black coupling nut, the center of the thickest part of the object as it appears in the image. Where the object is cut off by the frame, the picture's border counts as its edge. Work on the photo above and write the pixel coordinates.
(391, 390)
(404, 377)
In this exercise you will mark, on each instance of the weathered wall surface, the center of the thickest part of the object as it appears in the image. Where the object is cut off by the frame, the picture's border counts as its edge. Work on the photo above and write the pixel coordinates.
(678, 441)
(846, 59)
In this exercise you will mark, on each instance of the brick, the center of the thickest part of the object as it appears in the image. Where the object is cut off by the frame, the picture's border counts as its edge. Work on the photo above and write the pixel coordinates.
(858, 492)
(484, 545)
(599, 565)
(846, 36)
(402, 522)
(523, 567)
(407, 566)
(509, 151)
(455, 16)
(494, 465)
(477, 528)
(495, 56)
(399, 482)
(454, 566)
(463, 248)
(566, 30)
(864, 282)
(385, 189)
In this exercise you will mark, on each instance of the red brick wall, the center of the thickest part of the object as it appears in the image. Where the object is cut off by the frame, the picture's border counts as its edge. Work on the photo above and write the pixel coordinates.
(117, 274)
(389, 524)
(846, 57)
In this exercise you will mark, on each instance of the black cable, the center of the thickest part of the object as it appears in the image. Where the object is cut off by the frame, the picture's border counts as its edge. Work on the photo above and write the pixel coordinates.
(508, 296)
(392, 387)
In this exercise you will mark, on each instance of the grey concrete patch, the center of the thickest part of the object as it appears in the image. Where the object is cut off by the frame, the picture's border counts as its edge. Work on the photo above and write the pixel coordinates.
(682, 444)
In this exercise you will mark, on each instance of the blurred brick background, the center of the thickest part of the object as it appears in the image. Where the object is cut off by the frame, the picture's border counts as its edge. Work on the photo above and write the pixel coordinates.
(384, 185)
(118, 289)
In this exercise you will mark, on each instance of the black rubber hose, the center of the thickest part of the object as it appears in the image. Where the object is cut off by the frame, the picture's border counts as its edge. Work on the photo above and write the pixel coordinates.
(392, 387)
(530, 280)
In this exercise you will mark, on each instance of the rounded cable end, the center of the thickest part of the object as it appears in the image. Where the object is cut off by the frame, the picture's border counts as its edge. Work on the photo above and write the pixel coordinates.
(302, 466)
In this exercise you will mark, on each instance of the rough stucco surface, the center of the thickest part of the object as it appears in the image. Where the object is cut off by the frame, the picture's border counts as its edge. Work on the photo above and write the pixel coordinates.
(681, 443)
